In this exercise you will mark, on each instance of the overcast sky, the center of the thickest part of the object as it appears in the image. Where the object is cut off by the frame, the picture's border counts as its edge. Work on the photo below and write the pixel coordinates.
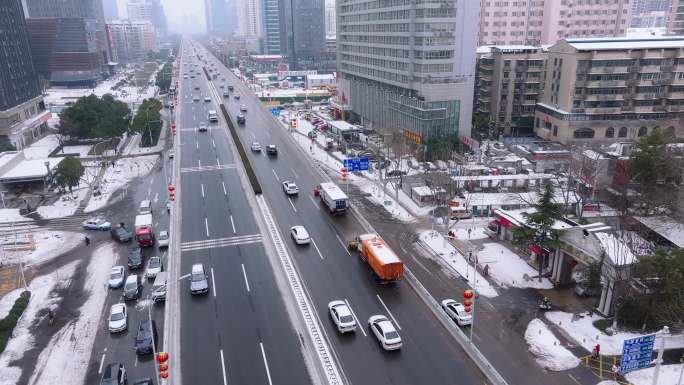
(184, 16)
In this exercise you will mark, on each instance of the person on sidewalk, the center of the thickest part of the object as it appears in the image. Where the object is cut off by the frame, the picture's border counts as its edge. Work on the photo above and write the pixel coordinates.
(597, 351)
(87, 241)
(616, 372)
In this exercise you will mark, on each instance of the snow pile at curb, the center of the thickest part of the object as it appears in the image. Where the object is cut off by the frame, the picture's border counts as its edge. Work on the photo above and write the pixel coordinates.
(584, 333)
(49, 245)
(64, 208)
(508, 269)
(456, 261)
(547, 348)
(22, 337)
(66, 357)
(380, 198)
(475, 233)
(669, 375)
(12, 215)
(120, 175)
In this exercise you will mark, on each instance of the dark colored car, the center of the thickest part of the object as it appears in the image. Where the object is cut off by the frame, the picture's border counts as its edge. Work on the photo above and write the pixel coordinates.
(396, 173)
(146, 337)
(120, 234)
(241, 118)
(135, 259)
(113, 374)
(272, 150)
(143, 381)
(230, 88)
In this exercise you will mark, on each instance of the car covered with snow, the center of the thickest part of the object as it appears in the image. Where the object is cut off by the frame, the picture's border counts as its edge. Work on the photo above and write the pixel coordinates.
(154, 266)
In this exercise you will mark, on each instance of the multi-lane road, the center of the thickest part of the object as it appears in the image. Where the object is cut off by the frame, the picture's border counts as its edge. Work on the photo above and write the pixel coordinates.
(242, 333)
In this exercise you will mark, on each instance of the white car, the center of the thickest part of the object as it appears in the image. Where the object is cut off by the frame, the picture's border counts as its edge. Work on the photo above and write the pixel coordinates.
(118, 318)
(207, 99)
(96, 224)
(172, 153)
(163, 239)
(195, 98)
(290, 188)
(385, 332)
(256, 147)
(202, 127)
(185, 76)
(243, 108)
(154, 266)
(456, 311)
(300, 235)
(342, 316)
(117, 276)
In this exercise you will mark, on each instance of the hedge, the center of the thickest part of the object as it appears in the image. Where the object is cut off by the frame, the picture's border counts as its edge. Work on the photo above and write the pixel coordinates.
(256, 186)
(8, 323)
(206, 73)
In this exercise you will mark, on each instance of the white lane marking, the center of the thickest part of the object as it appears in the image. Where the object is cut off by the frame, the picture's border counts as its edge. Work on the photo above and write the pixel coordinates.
(388, 311)
(213, 282)
(184, 276)
(276, 175)
(149, 191)
(99, 371)
(135, 364)
(151, 180)
(223, 367)
(244, 274)
(268, 372)
(156, 197)
(197, 144)
(202, 186)
(232, 224)
(206, 226)
(343, 245)
(295, 173)
(225, 192)
(217, 162)
(199, 163)
(292, 204)
(319, 251)
(213, 143)
(359, 326)
(314, 203)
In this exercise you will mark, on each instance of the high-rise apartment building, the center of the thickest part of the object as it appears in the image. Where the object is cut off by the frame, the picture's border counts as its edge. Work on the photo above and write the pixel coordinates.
(131, 40)
(607, 90)
(148, 10)
(22, 111)
(536, 22)
(330, 18)
(270, 24)
(407, 65)
(249, 17)
(302, 34)
(675, 22)
(216, 15)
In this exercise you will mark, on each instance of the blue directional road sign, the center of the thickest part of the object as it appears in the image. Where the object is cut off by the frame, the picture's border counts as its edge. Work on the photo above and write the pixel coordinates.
(275, 111)
(356, 164)
(637, 353)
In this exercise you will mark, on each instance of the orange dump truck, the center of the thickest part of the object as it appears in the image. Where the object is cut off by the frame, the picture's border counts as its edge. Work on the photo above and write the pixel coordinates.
(384, 262)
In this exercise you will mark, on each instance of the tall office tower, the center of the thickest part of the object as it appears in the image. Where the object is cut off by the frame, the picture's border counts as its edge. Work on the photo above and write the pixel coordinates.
(408, 65)
(131, 40)
(22, 112)
(330, 18)
(547, 21)
(302, 34)
(248, 17)
(148, 10)
(215, 12)
(270, 24)
(110, 9)
(675, 22)
(159, 18)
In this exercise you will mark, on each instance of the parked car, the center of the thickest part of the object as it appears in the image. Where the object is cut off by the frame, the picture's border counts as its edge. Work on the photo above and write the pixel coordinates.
(342, 316)
(116, 277)
(385, 332)
(96, 224)
(143, 381)
(135, 259)
(146, 338)
(456, 311)
(300, 235)
(154, 266)
(290, 188)
(132, 287)
(396, 173)
(120, 234)
(199, 283)
(118, 318)
(113, 374)
(163, 239)
(256, 147)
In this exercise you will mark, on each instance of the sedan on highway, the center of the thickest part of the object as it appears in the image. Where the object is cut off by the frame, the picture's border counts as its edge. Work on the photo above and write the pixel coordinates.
(256, 147)
(118, 318)
(236, 96)
(195, 98)
(163, 239)
(300, 235)
(132, 287)
(456, 311)
(146, 337)
(385, 332)
(202, 127)
(290, 188)
(272, 150)
(113, 374)
(154, 266)
(342, 316)
(116, 277)
(135, 259)
(207, 99)
(96, 224)
(198, 280)
(243, 108)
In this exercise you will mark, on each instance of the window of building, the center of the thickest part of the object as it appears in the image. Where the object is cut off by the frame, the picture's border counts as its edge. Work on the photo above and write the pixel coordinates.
(623, 132)
(583, 133)
(555, 130)
(610, 132)
(642, 131)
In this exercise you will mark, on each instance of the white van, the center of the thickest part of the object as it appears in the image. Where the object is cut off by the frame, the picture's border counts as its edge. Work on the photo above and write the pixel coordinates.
(159, 286)
(212, 116)
(145, 207)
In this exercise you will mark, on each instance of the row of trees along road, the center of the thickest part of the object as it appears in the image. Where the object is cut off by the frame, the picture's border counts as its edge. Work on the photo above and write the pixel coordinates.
(92, 117)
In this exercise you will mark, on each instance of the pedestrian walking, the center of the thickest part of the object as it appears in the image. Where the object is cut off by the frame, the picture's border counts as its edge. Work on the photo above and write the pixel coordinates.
(597, 351)
(87, 241)
(616, 372)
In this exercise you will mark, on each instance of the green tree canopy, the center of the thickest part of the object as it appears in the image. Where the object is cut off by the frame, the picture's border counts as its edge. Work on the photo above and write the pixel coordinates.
(93, 117)
(147, 121)
(651, 163)
(69, 172)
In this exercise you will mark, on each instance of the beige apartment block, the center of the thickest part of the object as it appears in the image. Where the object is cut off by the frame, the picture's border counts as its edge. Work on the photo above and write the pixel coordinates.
(609, 90)
(535, 22)
(510, 80)
(675, 22)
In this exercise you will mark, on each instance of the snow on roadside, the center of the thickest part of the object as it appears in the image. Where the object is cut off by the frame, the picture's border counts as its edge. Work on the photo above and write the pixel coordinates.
(66, 205)
(115, 178)
(12, 215)
(584, 333)
(508, 269)
(49, 245)
(475, 233)
(457, 262)
(547, 348)
(608, 382)
(22, 340)
(66, 357)
(669, 375)
(386, 201)
(7, 301)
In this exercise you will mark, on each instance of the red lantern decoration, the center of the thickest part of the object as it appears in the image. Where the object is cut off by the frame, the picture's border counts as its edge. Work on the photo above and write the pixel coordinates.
(163, 367)
(468, 303)
(468, 294)
(164, 375)
(171, 188)
(162, 357)
(467, 309)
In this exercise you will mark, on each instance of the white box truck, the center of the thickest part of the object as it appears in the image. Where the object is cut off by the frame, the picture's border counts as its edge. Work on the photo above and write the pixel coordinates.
(333, 197)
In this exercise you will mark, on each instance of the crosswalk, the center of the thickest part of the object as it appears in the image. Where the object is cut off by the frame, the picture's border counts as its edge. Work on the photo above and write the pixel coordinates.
(208, 168)
(220, 242)
(70, 223)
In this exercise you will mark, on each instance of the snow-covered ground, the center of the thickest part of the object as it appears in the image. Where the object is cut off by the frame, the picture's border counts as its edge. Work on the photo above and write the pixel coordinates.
(547, 349)
(81, 150)
(66, 357)
(475, 233)
(508, 269)
(22, 339)
(120, 175)
(457, 262)
(66, 204)
(387, 201)
(11, 215)
(49, 245)
(42, 148)
(584, 333)
(669, 375)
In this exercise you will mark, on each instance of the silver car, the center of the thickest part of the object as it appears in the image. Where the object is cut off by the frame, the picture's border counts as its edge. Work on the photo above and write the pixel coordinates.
(199, 284)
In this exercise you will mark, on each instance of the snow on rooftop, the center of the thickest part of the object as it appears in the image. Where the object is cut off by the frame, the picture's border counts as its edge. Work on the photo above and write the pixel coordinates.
(42, 148)
(611, 43)
(666, 227)
(518, 217)
(618, 250)
(30, 169)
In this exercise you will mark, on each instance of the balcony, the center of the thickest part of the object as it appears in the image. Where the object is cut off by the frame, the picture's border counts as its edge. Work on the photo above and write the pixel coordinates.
(677, 108)
(604, 97)
(659, 109)
(603, 110)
